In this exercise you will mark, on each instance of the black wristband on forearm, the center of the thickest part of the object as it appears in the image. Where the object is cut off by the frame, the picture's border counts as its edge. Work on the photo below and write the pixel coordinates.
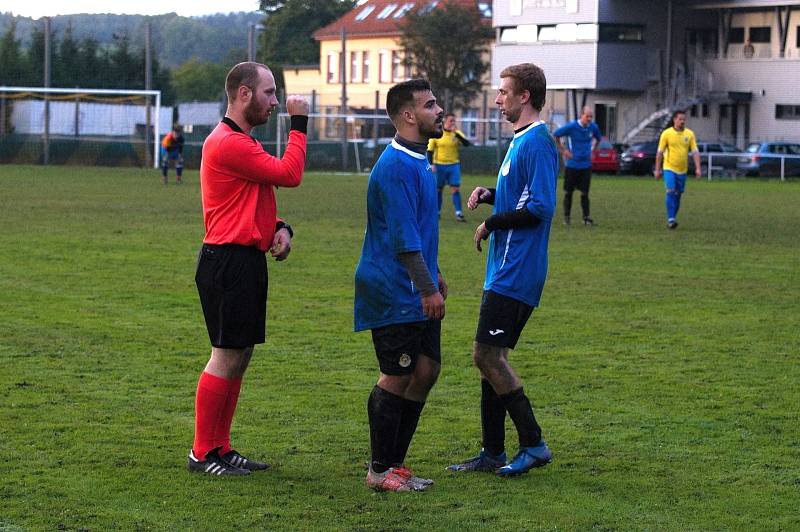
(299, 123)
(511, 220)
(414, 263)
(283, 225)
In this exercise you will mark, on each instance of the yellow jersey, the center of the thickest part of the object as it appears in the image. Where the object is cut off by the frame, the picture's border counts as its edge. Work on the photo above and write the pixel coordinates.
(676, 147)
(445, 149)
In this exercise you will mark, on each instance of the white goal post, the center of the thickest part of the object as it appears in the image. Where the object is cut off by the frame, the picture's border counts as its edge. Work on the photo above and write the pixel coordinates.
(77, 92)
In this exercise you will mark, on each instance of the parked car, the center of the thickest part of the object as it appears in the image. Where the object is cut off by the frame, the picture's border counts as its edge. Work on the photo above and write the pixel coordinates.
(721, 164)
(605, 157)
(758, 162)
(639, 158)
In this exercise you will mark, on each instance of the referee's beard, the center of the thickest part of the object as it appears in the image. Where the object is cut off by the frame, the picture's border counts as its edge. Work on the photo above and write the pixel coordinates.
(255, 114)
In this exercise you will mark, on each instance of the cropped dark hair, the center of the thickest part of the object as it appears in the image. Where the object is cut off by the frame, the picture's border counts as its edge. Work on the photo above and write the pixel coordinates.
(528, 77)
(242, 74)
(403, 93)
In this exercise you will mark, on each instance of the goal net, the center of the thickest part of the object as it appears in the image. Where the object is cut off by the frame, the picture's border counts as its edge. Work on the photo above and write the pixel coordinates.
(108, 127)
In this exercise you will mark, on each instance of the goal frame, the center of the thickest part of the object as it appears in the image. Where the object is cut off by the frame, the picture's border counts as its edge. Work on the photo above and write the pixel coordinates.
(123, 92)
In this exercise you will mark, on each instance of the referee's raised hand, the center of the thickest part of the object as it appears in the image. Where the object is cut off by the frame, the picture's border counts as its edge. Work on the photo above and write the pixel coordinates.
(296, 105)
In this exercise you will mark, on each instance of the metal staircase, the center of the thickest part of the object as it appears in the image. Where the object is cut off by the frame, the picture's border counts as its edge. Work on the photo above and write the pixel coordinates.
(650, 114)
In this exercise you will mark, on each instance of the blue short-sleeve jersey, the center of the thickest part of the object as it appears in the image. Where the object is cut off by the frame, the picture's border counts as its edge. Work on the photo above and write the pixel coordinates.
(402, 216)
(516, 265)
(580, 143)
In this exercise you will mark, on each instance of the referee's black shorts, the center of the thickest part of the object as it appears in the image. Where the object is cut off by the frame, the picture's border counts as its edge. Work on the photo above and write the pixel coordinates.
(232, 282)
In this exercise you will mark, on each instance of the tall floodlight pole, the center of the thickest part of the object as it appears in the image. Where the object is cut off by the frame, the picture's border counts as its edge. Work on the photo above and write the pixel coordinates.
(343, 110)
(251, 42)
(46, 154)
(148, 82)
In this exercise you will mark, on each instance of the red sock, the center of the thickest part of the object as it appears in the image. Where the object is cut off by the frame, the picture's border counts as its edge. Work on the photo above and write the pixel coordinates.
(224, 433)
(209, 406)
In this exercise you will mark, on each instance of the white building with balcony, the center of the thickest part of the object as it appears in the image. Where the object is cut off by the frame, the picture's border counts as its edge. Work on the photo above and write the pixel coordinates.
(734, 65)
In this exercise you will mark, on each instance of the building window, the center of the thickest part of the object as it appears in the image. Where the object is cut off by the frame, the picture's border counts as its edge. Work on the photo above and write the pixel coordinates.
(723, 110)
(384, 68)
(469, 124)
(787, 112)
(331, 68)
(693, 111)
(621, 33)
(403, 9)
(704, 110)
(354, 64)
(547, 33)
(398, 73)
(736, 36)
(365, 13)
(365, 67)
(760, 34)
(797, 36)
(387, 11)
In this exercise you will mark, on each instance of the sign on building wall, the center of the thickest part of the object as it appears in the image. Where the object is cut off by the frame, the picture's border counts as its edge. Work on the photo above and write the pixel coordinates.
(518, 6)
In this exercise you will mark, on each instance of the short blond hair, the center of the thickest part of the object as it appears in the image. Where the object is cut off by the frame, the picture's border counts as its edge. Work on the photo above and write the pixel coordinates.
(528, 77)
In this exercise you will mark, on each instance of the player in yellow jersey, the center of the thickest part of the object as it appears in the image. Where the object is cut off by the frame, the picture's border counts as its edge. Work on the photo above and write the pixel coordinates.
(674, 147)
(445, 162)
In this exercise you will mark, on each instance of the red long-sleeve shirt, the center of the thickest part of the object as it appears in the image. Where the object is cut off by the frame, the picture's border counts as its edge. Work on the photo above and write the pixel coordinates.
(237, 180)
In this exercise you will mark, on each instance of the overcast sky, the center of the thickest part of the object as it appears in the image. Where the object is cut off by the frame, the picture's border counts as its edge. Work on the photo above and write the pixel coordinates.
(188, 8)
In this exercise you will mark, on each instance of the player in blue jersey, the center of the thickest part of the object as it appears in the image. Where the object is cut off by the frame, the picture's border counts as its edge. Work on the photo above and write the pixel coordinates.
(583, 135)
(516, 267)
(399, 291)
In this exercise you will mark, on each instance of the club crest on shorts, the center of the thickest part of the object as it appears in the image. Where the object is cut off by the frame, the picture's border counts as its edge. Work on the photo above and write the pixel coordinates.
(404, 361)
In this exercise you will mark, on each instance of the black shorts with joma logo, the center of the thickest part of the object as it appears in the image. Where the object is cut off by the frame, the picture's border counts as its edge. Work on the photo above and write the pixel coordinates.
(501, 320)
(399, 346)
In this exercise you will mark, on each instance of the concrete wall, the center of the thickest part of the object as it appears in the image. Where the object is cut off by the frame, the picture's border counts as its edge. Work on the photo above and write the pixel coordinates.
(566, 65)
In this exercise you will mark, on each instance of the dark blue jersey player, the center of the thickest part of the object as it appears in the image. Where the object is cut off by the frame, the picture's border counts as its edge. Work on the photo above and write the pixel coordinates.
(399, 293)
(516, 269)
(583, 135)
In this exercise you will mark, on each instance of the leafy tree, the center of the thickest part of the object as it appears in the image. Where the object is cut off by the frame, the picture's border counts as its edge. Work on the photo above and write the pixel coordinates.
(12, 62)
(447, 46)
(287, 39)
(199, 80)
(67, 68)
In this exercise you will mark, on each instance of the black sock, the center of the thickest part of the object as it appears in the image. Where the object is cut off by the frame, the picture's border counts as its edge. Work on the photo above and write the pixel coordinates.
(585, 205)
(567, 204)
(493, 420)
(521, 412)
(384, 410)
(408, 426)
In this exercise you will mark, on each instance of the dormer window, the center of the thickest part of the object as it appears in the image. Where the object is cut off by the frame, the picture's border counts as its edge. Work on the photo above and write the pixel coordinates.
(404, 9)
(387, 11)
(365, 13)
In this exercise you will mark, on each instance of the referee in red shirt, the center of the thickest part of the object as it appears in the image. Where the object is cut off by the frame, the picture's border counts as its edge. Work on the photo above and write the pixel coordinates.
(237, 183)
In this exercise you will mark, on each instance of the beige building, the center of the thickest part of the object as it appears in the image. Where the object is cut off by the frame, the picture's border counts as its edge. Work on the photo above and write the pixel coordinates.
(363, 65)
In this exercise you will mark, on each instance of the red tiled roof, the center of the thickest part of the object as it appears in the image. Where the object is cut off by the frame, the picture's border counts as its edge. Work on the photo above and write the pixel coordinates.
(372, 26)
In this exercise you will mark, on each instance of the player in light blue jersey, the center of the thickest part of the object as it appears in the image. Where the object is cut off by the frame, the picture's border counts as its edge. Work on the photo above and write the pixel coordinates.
(399, 291)
(516, 267)
(583, 135)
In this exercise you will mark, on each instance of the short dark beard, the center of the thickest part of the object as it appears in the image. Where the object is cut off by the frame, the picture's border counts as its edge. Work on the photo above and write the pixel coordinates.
(253, 113)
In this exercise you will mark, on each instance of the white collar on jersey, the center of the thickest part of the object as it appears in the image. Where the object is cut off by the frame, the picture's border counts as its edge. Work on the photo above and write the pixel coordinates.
(396, 145)
(528, 128)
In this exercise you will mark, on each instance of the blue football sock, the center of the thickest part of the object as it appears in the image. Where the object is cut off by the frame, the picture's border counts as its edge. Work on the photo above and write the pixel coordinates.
(440, 200)
(457, 200)
(672, 205)
(677, 203)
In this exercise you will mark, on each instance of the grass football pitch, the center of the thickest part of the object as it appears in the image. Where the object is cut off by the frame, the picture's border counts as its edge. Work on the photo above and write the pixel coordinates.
(663, 365)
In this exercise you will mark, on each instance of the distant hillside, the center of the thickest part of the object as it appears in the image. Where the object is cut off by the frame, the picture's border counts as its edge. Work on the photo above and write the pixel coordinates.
(176, 39)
